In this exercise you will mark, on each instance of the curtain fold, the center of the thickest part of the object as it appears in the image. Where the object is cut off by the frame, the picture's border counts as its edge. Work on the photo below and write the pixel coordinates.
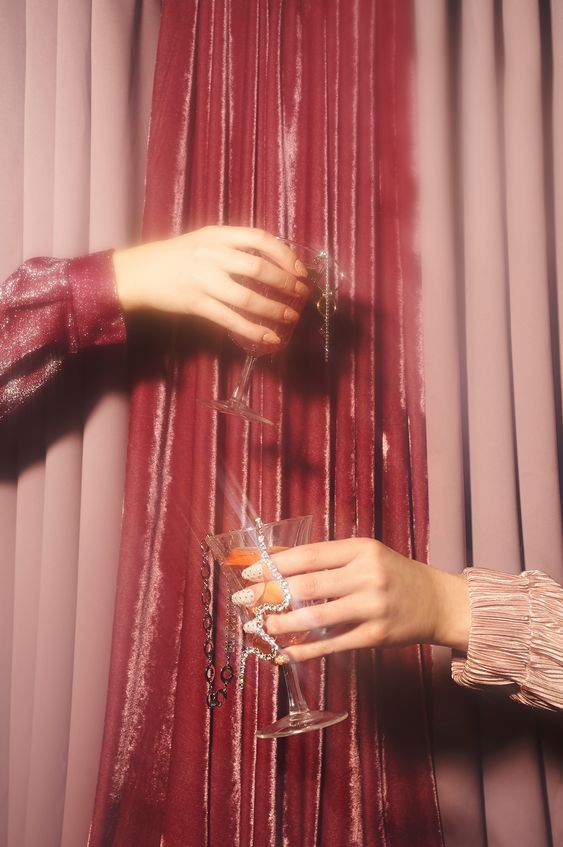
(71, 169)
(489, 83)
(296, 117)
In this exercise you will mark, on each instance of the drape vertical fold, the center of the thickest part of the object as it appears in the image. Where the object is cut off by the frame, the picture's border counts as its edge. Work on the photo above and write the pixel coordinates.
(62, 466)
(296, 117)
(489, 80)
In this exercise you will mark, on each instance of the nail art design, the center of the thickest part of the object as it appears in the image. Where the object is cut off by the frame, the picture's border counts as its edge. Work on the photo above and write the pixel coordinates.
(251, 627)
(253, 573)
(245, 597)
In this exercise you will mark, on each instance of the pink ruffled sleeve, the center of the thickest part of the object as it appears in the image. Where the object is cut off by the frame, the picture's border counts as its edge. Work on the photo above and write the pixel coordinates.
(50, 308)
(516, 637)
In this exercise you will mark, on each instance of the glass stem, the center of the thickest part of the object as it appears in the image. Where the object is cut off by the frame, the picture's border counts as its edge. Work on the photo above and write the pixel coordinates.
(242, 389)
(297, 704)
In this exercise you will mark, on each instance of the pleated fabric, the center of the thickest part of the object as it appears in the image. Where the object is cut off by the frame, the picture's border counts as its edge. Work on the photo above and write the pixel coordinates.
(490, 86)
(74, 98)
(295, 116)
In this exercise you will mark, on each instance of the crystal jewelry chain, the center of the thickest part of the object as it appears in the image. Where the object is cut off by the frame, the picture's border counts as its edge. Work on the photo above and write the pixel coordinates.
(216, 695)
(326, 302)
(275, 655)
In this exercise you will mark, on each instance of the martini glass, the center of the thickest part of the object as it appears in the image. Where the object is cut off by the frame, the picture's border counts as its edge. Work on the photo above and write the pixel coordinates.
(236, 550)
(318, 266)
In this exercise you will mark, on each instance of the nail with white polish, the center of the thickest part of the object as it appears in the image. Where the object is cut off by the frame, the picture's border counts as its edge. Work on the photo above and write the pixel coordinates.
(251, 627)
(245, 597)
(253, 573)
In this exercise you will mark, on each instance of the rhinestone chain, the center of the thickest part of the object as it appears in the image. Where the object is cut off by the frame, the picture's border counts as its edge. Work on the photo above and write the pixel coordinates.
(275, 655)
(326, 301)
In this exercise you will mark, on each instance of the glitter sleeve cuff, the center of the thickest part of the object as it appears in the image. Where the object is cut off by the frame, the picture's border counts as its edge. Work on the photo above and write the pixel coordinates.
(97, 318)
(516, 637)
(48, 309)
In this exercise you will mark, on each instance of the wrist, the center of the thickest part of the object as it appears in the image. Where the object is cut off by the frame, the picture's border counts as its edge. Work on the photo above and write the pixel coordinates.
(452, 613)
(124, 279)
(133, 271)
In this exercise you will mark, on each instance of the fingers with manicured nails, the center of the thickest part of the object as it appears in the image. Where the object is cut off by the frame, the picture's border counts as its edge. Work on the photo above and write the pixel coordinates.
(250, 238)
(258, 572)
(222, 315)
(262, 592)
(201, 273)
(259, 268)
(235, 294)
(387, 598)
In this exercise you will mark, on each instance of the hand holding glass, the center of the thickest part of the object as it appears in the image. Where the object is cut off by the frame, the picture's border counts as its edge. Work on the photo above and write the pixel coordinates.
(317, 264)
(238, 549)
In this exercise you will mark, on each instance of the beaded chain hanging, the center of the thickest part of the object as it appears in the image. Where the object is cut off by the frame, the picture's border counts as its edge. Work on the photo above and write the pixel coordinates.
(326, 301)
(216, 695)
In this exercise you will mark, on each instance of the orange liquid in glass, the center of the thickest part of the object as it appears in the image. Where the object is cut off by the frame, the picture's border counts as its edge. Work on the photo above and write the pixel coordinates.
(240, 558)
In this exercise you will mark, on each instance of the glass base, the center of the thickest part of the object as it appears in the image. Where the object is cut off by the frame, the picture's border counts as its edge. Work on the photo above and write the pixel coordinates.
(299, 723)
(237, 408)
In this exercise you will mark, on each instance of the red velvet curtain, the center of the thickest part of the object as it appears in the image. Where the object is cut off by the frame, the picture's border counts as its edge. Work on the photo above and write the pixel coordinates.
(295, 116)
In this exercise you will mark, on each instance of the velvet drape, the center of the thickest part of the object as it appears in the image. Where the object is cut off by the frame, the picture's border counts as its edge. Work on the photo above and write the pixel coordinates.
(295, 116)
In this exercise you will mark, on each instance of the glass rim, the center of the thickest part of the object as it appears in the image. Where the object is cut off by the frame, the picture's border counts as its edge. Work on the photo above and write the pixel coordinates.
(318, 253)
(254, 528)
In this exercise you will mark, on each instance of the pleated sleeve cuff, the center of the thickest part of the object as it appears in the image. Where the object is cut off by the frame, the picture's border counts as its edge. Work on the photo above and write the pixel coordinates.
(97, 317)
(516, 637)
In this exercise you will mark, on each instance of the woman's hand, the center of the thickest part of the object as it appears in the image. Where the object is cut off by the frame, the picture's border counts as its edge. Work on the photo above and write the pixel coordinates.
(193, 274)
(376, 598)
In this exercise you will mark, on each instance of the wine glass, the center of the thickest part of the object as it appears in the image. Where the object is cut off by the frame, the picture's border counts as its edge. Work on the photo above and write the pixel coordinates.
(237, 550)
(318, 266)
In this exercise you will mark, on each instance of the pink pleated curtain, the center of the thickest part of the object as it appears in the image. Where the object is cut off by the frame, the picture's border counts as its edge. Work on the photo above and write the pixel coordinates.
(490, 117)
(75, 86)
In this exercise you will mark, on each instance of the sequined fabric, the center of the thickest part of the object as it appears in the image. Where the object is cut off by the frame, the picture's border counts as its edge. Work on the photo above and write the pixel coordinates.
(48, 309)
(296, 117)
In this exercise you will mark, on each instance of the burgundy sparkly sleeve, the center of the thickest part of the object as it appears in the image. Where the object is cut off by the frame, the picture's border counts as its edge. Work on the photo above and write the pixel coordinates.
(48, 309)
(516, 637)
